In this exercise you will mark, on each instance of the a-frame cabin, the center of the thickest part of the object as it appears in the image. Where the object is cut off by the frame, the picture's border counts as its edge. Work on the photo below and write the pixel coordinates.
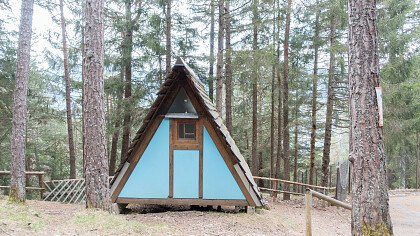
(183, 154)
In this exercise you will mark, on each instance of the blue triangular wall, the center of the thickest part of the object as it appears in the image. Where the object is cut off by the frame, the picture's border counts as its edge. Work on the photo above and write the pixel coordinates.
(218, 182)
(150, 177)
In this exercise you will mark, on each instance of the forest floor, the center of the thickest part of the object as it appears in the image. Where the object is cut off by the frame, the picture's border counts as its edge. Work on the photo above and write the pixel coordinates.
(283, 218)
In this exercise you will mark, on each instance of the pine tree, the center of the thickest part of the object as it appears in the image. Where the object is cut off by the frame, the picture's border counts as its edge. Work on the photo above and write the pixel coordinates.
(370, 206)
(254, 148)
(219, 63)
(18, 145)
(127, 53)
(286, 133)
(316, 45)
(211, 59)
(72, 153)
(228, 68)
(330, 103)
(95, 153)
(168, 19)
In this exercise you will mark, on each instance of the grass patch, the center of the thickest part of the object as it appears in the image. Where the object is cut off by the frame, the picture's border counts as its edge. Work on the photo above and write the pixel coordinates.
(101, 221)
(18, 215)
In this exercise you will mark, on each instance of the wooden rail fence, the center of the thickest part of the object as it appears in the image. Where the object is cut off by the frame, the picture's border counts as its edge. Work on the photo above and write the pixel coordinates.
(308, 205)
(41, 181)
(301, 186)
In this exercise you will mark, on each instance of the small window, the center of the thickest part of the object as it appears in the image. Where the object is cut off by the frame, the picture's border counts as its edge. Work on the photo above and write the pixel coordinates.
(186, 130)
(182, 104)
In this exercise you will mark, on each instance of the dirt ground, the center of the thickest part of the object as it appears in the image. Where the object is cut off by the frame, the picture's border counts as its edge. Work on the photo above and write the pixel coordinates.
(283, 218)
(405, 212)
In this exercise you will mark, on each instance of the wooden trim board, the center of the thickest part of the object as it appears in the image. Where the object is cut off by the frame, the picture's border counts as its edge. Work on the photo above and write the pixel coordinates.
(182, 201)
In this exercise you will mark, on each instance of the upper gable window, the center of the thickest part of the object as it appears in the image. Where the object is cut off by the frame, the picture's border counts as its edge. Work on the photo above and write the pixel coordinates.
(182, 103)
(186, 130)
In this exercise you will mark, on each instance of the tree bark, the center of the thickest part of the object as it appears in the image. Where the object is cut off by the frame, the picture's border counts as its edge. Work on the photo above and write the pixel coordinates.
(211, 73)
(219, 66)
(417, 159)
(116, 133)
(168, 18)
(18, 145)
(286, 134)
(127, 58)
(280, 107)
(96, 163)
(314, 100)
(272, 114)
(296, 144)
(370, 206)
(330, 104)
(254, 158)
(72, 153)
(228, 68)
(114, 146)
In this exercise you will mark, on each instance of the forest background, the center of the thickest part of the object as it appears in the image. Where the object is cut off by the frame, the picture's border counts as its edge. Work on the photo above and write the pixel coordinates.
(257, 35)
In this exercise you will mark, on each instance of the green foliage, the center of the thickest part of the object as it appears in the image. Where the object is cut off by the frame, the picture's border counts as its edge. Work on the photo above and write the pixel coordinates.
(398, 32)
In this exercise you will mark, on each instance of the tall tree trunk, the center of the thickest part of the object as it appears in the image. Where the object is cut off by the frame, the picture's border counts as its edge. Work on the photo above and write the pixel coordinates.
(286, 134)
(280, 107)
(316, 40)
(228, 68)
(211, 68)
(18, 145)
(82, 46)
(168, 17)
(272, 114)
(417, 160)
(127, 58)
(96, 161)
(370, 206)
(296, 144)
(114, 145)
(330, 104)
(254, 158)
(219, 66)
(116, 133)
(108, 110)
(72, 153)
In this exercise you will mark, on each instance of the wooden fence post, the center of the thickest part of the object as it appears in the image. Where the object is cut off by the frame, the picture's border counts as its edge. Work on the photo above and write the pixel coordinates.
(337, 183)
(303, 188)
(329, 185)
(308, 213)
(349, 180)
(41, 185)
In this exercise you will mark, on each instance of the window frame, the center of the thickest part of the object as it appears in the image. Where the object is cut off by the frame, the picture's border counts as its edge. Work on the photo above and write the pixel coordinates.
(184, 125)
(184, 143)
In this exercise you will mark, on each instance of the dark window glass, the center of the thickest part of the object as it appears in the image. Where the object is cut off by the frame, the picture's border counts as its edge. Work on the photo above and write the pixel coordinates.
(186, 130)
(182, 104)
